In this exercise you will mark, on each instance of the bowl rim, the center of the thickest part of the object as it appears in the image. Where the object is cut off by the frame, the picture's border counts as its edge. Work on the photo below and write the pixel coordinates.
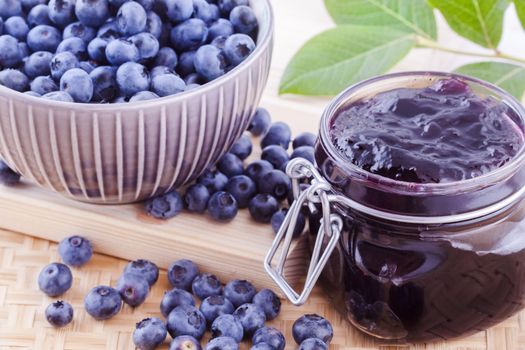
(261, 47)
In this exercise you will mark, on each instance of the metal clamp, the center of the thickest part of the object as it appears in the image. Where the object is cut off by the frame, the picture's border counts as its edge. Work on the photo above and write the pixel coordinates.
(319, 192)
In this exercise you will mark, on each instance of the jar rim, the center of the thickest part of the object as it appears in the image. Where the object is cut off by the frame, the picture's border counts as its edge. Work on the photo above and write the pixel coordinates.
(414, 188)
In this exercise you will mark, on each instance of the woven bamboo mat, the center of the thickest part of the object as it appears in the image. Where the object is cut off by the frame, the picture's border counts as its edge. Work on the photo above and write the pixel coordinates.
(23, 326)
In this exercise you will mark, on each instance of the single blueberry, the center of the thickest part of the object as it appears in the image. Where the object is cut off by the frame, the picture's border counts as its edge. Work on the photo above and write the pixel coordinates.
(166, 57)
(8, 177)
(222, 206)
(271, 336)
(105, 87)
(79, 30)
(312, 344)
(181, 273)
(92, 13)
(262, 346)
(149, 333)
(189, 35)
(133, 289)
(78, 84)
(38, 64)
(62, 12)
(227, 326)
(61, 96)
(75, 250)
(242, 148)
(196, 198)
(103, 302)
(27, 5)
(38, 15)
(278, 219)
(279, 133)
(205, 285)
(143, 96)
(131, 18)
(221, 27)
(238, 47)
(230, 165)
(59, 314)
(132, 78)
(222, 343)
(210, 62)
(74, 45)
(276, 155)
(219, 42)
(269, 302)
(213, 180)
(193, 79)
(10, 55)
(120, 51)
(167, 84)
(144, 268)
(257, 168)
(192, 86)
(260, 123)
(175, 10)
(251, 317)
(43, 85)
(14, 79)
(276, 183)
(97, 50)
(262, 207)
(306, 152)
(205, 11)
(109, 30)
(61, 63)
(226, 6)
(185, 342)
(186, 320)
(9, 8)
(304, 139)
(242, 188)
(185, 65)
(154, 24)
(17, 27)
(215, 306)
(165, 206)
(55, 279)
(312, 326)
(239, 292)
(173, 298)
(243, 19)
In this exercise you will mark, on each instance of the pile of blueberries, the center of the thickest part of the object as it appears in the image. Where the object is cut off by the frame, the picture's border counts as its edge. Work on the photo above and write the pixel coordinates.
(262, 186)
(120, 50)
(232, 312)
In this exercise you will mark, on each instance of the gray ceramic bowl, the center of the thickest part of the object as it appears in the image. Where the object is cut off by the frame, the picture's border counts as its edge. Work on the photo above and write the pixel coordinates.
(121, 153)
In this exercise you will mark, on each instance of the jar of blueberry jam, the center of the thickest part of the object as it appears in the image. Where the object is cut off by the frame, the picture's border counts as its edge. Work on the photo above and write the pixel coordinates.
(420, 184)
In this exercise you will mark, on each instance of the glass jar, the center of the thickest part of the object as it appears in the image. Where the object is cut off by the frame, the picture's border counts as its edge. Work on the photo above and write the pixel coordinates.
(410, 261)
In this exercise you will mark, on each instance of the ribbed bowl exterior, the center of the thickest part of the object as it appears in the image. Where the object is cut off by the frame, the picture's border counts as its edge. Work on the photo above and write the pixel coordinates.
(122, 153)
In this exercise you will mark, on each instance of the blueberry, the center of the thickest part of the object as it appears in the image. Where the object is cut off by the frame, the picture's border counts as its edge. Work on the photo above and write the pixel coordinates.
(221, 27)
(215, 306)
(205, 285)
(38, 64)
(105, 87)
(14, 79)
(10, 55)
(17, 27)
(173, 298)
(133, 289)
(166, 57)
(78, 84)
(193, 79)
(260, 122)
(276, 183)
(143, 96)
(131, 18)
(8, 177)
(149, 333)
(153, 24)
(132, 78)
(175, 10)
(222, 206)
(74, 45)
(92, 13)
(146, 4)
(59, 314)
(239, 292)
(120, 51)
(222, 343)
(257, 168)
(312, 326)
(160, 70)
(251, 317)
(189, 35)
(271, 336)
(262, 346)
(196, 198)
(166, 206)
(243, 19)
(38, 15)
(27, 5)
(276, 155)
(87, 66)
(242, 188)
(205, 11)
(43, 85)
(306, 152)
(109, 30)
(219, 42)
(181, 273)
(238, 47)
(103, 302)
(61, 63)
(167, 84)
(75, 250)
(230, 165)
(9, 8)
(79, 30)
(61, 96)
(269, 302)
(279, 133)
(278, 219)
(144, 268)
(243, 147)
(227, 326)
(32, 93)
(62, 12)
(186, 64)
(210, 62)
(312, 344)
(304, 139)
(226, 6)
(262, 207)
(44, 38)
(97, 49)
(186, 320)
(192, 86)
(185, 342)
(55, 279)
(213, 180)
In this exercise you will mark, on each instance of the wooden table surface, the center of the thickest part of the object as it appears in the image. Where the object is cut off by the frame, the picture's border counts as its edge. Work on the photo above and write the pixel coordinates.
(22, 325)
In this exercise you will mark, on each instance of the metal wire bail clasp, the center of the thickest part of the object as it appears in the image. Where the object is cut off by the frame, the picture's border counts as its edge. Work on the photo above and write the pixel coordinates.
(331, 226)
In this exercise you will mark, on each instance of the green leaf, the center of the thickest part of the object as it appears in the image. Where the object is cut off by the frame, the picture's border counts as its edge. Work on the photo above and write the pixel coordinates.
(509, 77)
(520, 9)
(480, 21)
(408, 15)
(333, 60)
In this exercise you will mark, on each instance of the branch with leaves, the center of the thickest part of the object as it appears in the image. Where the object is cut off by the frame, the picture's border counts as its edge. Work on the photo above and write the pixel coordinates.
(371, 36)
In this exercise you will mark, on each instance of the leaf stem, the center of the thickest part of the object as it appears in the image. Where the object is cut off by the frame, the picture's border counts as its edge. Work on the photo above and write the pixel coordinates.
(431, 44)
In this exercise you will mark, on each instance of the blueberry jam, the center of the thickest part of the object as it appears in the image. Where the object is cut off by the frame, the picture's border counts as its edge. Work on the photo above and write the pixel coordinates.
(437, 134)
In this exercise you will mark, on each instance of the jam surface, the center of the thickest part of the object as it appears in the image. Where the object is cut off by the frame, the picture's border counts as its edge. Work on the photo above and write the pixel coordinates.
(442, 133)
